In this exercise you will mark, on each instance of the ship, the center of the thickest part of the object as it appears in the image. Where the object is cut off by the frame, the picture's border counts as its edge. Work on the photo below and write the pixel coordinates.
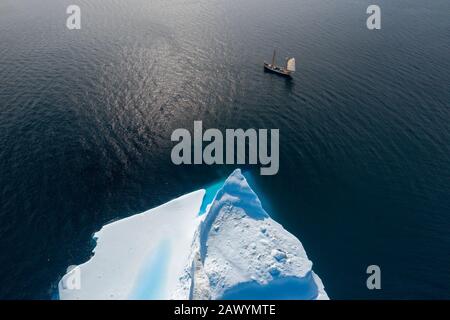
(285, 71)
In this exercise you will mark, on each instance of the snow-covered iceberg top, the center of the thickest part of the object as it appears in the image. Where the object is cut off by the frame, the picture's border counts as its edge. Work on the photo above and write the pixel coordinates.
(194, 247)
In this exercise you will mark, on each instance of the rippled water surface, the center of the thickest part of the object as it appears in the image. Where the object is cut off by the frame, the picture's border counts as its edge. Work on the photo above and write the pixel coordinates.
(86, 118)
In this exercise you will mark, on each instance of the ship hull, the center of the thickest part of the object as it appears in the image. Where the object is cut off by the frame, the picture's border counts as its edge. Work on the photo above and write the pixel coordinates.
(277, 70)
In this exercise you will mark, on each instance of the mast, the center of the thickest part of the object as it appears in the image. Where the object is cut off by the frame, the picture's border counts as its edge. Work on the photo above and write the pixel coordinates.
(273, 58)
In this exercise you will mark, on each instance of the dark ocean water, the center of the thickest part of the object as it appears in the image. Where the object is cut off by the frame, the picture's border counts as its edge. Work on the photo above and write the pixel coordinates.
(86, 118)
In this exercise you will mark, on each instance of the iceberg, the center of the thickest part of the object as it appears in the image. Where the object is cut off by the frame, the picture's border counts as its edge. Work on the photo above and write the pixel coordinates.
(217, 243)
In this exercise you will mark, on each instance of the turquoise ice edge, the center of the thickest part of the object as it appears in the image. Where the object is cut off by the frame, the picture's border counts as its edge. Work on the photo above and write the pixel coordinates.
(212, 189)
(210, 193)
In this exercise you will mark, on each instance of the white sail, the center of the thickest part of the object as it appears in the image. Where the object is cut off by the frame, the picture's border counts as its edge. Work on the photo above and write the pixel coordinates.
(291, 64)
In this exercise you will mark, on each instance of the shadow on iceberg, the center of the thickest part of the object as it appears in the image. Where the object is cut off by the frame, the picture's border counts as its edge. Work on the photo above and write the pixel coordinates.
(288, 288)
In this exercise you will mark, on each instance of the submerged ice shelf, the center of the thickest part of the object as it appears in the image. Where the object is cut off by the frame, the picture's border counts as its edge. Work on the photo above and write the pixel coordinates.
(217, 243)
